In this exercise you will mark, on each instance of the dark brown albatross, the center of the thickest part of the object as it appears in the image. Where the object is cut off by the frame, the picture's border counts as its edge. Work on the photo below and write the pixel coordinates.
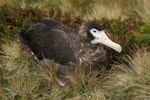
(49, 39)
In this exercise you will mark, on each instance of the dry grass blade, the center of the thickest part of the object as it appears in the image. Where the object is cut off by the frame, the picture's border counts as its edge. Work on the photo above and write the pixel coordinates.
(17, 81)
(143, 10)
(133, 80)
(107, 9)
(141, 64)
(48, 71)
(76, 8)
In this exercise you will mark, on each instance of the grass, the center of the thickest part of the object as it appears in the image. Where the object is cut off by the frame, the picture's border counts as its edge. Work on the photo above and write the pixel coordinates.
(143, 10)
(133, 81)
(18, 79)
(21, 78)
(112, 10)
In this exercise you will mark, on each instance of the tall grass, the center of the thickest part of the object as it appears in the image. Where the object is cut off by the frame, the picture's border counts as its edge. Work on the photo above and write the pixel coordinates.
(91, 9)
(76, 7)
(22, 78)
(107, 9)
(131, 82)
(143, 10)
(7, 2)
(17, 81)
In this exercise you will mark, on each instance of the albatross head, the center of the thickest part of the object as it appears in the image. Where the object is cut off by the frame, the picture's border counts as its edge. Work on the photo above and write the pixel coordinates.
(96, 34)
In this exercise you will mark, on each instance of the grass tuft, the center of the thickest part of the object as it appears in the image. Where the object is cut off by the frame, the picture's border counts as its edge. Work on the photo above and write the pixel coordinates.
(113, 10)
(132, 81)
(17, 80)
(143, 10)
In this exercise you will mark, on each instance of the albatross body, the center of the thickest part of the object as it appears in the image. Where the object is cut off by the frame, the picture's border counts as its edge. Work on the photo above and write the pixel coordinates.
(49, 39)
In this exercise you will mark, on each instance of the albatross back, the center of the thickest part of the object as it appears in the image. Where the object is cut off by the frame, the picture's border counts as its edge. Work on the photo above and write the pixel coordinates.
(50, 39)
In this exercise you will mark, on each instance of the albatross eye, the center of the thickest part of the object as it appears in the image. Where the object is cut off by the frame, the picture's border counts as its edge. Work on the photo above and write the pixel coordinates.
(94, 31)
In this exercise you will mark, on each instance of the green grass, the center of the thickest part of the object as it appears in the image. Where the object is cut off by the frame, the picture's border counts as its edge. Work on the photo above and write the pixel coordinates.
(21, 78)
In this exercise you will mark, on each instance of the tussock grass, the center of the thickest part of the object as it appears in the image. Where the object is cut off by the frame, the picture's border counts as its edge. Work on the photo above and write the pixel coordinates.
(8, 2)
(91, 9)
(76, 8)
(24, 79)
(107, 9)
(141, 64)
(132, 81)
(17, 81)
(143, 10)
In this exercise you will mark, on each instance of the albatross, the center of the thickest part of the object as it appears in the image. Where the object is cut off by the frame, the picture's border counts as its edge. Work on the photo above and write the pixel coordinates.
(50, 39)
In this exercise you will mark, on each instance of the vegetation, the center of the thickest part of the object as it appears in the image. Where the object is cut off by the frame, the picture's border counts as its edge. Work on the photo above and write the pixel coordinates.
(126, 21)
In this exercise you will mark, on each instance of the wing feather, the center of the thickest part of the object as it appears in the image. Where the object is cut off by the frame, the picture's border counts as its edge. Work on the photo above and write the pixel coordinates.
(49, 42)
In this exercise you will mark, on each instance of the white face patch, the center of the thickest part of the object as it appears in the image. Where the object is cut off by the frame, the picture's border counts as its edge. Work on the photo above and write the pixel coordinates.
(101, 37)
(94, 32)
(97, 34)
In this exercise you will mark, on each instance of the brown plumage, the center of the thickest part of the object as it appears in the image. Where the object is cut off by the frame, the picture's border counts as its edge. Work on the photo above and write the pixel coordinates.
(49, 39)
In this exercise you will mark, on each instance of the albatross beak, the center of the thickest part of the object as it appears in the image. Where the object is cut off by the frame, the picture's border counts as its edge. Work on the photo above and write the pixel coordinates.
(101, 37)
